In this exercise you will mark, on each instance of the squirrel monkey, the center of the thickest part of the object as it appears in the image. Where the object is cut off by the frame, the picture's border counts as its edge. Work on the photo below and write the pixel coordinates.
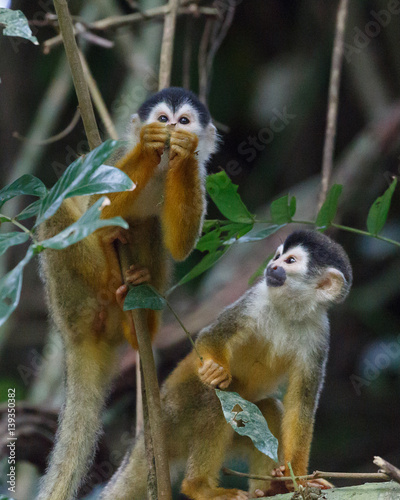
(278, 330)
(172, 139)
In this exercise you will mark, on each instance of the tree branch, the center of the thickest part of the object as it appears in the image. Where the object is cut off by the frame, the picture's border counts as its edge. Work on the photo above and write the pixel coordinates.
(81, 88)
(115, 22)
(98, 99)
(333, 100)
(167, 46)
(389, 469)
(378, 476)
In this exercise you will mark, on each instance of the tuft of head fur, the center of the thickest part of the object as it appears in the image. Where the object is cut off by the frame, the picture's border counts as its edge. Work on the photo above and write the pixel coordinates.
(175, 98)
(323, 253)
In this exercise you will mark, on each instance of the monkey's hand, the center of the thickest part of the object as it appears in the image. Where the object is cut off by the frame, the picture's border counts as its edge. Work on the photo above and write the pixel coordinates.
(135, 275)
(153, 138)
(183, 145)
(211, 373)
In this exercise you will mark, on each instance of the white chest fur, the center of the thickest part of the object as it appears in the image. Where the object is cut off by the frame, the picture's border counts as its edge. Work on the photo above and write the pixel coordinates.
(150, 201)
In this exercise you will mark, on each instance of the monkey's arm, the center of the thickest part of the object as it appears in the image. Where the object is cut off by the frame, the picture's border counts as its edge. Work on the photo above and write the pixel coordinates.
(300, 405)
(140, 165)
(184, 201)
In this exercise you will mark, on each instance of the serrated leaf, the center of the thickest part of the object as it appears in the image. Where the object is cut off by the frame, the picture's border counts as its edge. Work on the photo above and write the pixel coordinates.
(379, 210)
(282, 210)
(78, 177)
(8, 240)
(83, 227)
(247, 420)
(10, 288)
(16, 24)
(27, 184)
(224, 194)
(328, 210)
(144, 297)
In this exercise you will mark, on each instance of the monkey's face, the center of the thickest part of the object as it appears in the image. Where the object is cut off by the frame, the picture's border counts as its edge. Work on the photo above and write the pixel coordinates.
(305, 271)
(287, 268)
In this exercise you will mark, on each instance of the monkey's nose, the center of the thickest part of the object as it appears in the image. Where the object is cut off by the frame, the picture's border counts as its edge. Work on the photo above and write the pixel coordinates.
(276, 276)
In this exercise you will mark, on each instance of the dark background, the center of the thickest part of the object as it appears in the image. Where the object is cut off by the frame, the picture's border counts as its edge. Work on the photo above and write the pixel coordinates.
(274, 60)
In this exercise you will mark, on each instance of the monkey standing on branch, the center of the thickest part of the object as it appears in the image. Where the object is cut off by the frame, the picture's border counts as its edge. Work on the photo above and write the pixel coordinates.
(278, 330)
(173, 138)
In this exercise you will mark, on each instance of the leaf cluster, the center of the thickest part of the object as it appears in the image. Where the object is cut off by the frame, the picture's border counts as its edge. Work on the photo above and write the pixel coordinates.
(85, 176)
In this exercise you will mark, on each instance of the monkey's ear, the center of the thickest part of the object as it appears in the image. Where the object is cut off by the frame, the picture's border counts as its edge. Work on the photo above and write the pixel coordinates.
(136, 125)
(212, 138)
(331, 286)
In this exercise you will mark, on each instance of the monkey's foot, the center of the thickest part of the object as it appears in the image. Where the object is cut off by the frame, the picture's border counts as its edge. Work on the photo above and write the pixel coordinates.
(225, 494)
(213, 374)
(112, 234)
(137, 275)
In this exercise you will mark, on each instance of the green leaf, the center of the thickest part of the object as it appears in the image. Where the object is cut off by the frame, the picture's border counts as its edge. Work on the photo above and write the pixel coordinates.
(78, 178)
(27, 184)
(260, 235)
(282, 210)
(260, 270)
(10, 288)
(105, 179)
(379, 210)
(247, 420)
(30, 211)
(328, 210)
(216, 241)
(87, 224)
(16, 24)
(144, 297)
(224, 194)
(8, 240)
(206, 262)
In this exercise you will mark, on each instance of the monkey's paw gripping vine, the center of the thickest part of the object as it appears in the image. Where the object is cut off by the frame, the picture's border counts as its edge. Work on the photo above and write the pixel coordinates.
(211, 373)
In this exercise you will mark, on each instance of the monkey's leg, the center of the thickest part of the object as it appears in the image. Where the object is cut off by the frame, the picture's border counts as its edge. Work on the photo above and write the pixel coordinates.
(130, 480)
(208, 443)
(89, 370)
(261, 464)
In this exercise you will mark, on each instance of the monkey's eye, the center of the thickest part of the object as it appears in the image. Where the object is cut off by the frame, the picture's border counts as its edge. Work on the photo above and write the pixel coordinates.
(290, 260)
(163, 118)
(184, 120)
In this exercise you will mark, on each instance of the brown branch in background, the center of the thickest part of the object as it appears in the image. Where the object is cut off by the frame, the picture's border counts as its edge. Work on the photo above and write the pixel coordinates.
(187, 53)
(54, 138)
(98, 99)
(115, 22)
(315, 475)
(213, 40)
(387, 468)
(203, 49)
(81, 88)
(167, 46)
(333, 100)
